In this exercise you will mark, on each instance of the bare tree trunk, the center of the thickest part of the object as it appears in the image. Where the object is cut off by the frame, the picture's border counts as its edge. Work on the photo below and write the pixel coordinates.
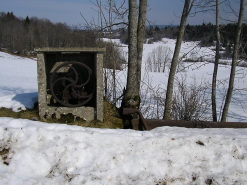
(131, 97)
(140, 36)
(110, 18)
(216, 64)
(106, 83)
(168, 103)
(114, 79)
(136, 37)
(234, 62)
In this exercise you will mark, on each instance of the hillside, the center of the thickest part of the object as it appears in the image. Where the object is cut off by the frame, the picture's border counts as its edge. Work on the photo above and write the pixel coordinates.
(33, 152)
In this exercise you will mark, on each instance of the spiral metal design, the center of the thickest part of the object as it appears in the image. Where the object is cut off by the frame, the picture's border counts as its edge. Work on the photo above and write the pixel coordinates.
(70, 88)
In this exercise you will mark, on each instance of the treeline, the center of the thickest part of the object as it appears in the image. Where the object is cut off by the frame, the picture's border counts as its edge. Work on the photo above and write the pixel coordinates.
(204, 33)
(23, 35)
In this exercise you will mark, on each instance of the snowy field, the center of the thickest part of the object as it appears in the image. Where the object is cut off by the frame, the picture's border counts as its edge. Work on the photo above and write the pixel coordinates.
(154, 84)
(18, 82)
(40, 153)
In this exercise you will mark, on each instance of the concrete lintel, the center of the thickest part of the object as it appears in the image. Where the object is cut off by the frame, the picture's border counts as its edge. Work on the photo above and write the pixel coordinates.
(67, 50)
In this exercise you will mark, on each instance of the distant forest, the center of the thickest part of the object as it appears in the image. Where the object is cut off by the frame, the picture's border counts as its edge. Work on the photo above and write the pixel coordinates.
(204, 33)
(23, 35)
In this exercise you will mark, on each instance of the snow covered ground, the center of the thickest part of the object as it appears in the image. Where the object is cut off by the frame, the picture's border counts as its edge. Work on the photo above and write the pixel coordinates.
(154, 83)
(32, 152)
(41, 153)
(18, 82)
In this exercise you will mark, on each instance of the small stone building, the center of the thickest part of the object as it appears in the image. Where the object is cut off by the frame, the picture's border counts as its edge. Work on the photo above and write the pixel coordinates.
(70, 81)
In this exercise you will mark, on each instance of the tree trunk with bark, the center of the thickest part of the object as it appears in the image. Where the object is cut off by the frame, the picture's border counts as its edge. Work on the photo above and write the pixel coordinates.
(216, 64)
(136, 32)
(168, 102)
(234, 62)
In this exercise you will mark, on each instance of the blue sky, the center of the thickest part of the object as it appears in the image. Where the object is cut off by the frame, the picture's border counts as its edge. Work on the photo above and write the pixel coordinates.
(162, 12)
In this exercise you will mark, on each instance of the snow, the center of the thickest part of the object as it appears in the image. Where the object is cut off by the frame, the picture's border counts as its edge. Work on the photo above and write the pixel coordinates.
(34, 152)
(154, 83)
(41, 153)
(18, 82)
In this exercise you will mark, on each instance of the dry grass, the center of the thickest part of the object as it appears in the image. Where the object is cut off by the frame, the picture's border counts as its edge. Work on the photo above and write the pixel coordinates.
(111, 118)
(24, 114)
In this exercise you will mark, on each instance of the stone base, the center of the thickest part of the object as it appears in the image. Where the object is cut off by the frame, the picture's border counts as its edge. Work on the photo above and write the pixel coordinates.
(85, 113)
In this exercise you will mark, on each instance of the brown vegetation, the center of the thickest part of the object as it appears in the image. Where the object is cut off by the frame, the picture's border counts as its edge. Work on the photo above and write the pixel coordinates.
(111, 118)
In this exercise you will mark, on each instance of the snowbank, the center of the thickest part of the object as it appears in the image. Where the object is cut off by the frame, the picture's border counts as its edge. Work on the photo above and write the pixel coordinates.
(41, 153)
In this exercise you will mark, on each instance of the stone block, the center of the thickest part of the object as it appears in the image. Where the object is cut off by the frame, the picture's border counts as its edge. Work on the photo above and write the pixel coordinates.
(70, 81)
